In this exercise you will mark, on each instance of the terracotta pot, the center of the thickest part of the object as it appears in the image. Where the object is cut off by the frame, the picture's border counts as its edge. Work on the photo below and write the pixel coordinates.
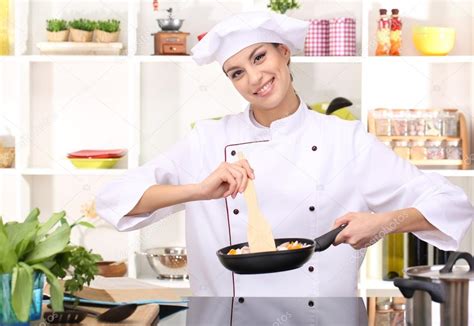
(112, 269)
(61, 36)
(78, 35)
(105, 37)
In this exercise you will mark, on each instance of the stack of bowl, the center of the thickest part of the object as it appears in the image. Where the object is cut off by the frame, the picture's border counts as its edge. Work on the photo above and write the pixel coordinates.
(96, 159)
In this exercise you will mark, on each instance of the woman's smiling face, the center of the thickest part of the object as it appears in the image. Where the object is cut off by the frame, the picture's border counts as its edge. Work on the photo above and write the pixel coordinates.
(260, 73)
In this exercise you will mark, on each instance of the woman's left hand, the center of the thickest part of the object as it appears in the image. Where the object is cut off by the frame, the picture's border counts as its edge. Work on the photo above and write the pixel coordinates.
(363, 229)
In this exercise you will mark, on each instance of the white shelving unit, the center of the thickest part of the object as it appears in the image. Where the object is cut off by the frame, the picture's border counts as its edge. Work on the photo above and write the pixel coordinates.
(56, 104)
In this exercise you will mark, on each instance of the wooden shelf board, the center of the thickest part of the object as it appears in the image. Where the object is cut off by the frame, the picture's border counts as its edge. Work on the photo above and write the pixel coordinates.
(387, 138)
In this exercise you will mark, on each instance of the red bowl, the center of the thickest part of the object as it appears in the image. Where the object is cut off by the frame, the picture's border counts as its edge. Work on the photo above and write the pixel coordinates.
(95, 153)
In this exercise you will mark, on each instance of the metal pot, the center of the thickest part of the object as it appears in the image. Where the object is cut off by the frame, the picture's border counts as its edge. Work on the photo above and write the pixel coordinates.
(170, 23)
(167, 262)
(448, 285)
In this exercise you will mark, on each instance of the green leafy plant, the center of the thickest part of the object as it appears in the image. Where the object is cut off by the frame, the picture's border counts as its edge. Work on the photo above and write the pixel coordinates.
(56, 25)
(282, 6)
(109, 26)
(83, 24)
(32, 246)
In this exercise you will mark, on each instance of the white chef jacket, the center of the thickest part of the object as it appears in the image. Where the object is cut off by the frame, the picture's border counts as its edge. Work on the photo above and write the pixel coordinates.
(310, 169)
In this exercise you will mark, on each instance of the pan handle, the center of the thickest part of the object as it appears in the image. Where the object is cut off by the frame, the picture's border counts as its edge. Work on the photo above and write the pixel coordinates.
(409, 286)
(325, 241)
(454, 257)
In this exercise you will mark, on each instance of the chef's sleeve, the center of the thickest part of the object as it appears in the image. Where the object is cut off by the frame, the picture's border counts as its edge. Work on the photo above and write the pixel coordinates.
(387, 182)
(120, 196)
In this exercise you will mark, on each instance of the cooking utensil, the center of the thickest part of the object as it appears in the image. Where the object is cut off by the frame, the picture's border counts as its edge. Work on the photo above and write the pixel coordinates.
(64, 317)
(167, 262)
(170, 23)
(259, 231)
(336, 104)
(447, 285)
(94, 163)
(276, 261)
(113, 315)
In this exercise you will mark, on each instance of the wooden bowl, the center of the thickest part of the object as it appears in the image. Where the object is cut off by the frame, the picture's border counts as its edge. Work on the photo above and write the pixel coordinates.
(112, 268)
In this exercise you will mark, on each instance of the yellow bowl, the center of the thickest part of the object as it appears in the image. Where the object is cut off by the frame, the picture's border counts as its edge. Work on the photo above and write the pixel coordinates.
(94, 163)
(431, 40)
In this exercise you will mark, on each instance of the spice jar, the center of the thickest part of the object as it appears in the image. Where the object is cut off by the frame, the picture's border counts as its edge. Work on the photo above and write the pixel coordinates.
(398, 314)
(399, 123)
(453, 150)
(401, 148)
(435, 149)
(433, 123)
(7, 148)
(450, 119)
(416, 123)
(383, 313)
(418, 150)
(382, 122)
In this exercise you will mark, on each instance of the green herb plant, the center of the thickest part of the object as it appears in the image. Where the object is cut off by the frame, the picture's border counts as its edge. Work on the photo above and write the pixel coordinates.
(282, 6)
(83, 24)
(32, 246)
(56, 25)
(109, 26)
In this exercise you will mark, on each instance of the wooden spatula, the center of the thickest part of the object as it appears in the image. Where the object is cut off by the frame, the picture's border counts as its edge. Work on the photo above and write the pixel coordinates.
(259, 231)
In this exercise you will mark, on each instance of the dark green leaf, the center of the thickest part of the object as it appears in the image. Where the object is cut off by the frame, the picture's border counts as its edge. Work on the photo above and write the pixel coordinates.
(51, 245)
(22, 291)
(57, 295)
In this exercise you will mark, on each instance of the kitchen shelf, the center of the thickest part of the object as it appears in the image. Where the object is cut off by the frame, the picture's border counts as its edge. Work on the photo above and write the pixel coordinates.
(72, 58)
(79, 48)
(294, 59)
(380, 288)
(9, 171)
(421, 59)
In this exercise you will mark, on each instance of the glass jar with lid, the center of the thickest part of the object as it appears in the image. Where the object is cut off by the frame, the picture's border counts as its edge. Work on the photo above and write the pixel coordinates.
(433, 123)
(382, 122)
(399, 122)
(383, 313)
(453, 149)
(416, 123)
(401, 148)
(435, 149)
(450, 122)
(398, 317)
(418, 150)
(7, 147)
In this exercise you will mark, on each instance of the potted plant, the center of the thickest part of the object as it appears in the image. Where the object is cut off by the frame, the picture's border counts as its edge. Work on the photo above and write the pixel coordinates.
(57, 30)
(107, 31)
(282, 6)
(82, 30)
(31, 251)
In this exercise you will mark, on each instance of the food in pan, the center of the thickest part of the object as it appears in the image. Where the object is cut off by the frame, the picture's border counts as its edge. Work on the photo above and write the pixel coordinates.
(284, 246)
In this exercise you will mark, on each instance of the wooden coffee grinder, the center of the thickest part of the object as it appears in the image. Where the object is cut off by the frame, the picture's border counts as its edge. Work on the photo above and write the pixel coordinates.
(170, 41)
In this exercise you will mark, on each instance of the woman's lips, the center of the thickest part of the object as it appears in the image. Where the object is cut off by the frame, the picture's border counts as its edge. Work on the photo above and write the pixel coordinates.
(266, 89)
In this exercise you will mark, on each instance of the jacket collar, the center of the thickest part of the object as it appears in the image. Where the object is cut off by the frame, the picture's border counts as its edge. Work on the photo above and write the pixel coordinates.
(280, 127)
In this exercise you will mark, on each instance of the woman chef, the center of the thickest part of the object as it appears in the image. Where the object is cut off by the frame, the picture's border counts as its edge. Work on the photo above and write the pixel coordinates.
(312, 172)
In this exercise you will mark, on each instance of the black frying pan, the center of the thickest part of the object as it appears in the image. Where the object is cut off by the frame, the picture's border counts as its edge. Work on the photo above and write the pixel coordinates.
(276, 261)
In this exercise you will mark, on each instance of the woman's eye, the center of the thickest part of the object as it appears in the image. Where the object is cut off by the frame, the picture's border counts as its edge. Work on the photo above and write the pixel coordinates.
(236, 74)
(259, 57)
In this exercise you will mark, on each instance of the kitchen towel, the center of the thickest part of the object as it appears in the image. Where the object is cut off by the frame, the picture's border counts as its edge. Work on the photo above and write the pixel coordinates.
(317, 38)
(342, 37)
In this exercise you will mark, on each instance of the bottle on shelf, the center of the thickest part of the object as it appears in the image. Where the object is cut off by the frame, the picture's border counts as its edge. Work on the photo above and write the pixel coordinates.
(440, 257)
(395, 33)
(393, 256)
(4, 21)
(383, 34)
(417, 251)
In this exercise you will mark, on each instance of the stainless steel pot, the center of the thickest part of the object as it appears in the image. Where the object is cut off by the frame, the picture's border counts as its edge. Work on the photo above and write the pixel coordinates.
(448, 285)
(170, 23)
(167, 262)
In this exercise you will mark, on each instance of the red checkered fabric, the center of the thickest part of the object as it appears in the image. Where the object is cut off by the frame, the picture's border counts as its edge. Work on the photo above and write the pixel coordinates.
(342, 37)
(317, 38)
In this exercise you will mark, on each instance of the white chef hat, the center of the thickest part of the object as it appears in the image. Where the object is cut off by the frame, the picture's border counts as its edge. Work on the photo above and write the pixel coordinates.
(244, 29)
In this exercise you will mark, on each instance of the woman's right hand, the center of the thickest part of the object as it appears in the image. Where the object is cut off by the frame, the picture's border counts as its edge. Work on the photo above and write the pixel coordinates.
(227, 180)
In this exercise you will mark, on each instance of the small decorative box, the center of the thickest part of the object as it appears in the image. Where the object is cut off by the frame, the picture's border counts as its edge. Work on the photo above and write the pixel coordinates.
(317, 38)
(342, 37)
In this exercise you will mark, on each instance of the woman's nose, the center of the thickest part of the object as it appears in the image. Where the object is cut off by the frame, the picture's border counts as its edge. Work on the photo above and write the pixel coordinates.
(255, 76)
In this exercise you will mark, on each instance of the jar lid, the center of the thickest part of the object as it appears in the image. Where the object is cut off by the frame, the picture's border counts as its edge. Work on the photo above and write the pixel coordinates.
(400, 142)
(433, 142)
(398, 306)
(449, 272)
(385, 305)
(452, 142)
(418, 143)
(450, 110)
